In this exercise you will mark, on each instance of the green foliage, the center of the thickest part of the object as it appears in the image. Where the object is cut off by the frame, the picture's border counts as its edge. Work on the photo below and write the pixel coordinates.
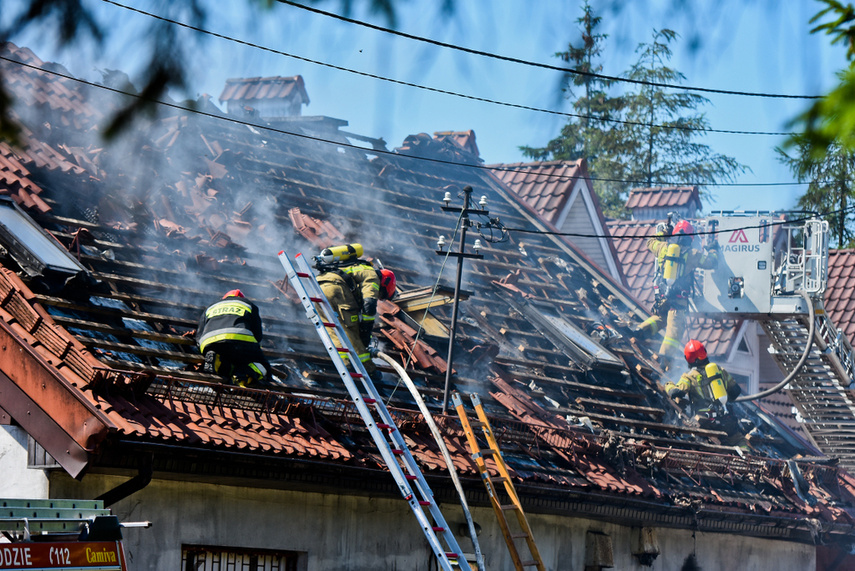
(829, 185)
(645, 137)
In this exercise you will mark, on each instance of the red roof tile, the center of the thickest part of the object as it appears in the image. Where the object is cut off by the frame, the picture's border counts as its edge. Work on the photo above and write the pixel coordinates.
(260, 88)
(661, 197)
(545, 186)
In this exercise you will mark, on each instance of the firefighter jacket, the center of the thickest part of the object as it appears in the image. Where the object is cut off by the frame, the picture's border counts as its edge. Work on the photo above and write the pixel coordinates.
(361, 279)
(230, 319)
(689, 260)
(695, 384)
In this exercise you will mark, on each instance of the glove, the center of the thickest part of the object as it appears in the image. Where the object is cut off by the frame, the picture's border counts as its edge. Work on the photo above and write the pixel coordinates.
(675, 392)
(713, 245)
(365, 328)
(664, 229)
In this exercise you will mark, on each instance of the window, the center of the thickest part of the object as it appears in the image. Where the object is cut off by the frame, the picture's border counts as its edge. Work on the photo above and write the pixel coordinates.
(743, 346)
(209, 558)
(33, 248)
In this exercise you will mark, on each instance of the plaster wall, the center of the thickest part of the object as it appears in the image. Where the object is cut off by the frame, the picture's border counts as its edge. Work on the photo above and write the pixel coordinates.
(361, 533)
(18, 481)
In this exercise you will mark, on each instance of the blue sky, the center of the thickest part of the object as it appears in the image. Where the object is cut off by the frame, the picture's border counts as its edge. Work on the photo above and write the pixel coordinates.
(755, 46)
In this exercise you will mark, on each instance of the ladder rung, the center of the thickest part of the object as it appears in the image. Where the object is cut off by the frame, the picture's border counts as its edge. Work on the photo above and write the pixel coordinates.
(359, 376)
(509, 507)
(518, 535)
(424, 503)
(328, 324)
(396, 451)
(384, 426)
(452, 555)
(528, 563)
(342, 350)
(316, 300)
(411, 477)
(367, 401)
(438, 528)
(302, 274)
(487, 451)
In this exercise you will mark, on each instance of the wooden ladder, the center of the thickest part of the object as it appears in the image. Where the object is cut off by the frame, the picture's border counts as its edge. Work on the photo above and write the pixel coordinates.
(479, 454)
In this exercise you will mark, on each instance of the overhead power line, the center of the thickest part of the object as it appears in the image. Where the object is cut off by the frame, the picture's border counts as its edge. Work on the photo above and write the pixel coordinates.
(703, 233)
(379, 152)
(444, 91)
(544, 65)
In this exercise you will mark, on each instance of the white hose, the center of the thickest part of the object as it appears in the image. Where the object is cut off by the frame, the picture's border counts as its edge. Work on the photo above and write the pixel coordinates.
(479, 559)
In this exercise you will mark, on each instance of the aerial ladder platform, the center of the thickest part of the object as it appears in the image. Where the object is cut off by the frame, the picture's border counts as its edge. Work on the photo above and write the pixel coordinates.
(390, 443)
(775, 272)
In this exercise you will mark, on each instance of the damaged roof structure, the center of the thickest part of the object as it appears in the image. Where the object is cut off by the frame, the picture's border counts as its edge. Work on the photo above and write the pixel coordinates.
(99, 368)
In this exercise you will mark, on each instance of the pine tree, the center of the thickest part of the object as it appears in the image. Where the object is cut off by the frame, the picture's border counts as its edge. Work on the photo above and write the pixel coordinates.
(647, 136)
(665, 125)
(592, 133)
(829, 191)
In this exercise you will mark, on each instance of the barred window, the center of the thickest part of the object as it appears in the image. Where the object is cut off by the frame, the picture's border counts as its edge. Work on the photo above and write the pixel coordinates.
(211, 558)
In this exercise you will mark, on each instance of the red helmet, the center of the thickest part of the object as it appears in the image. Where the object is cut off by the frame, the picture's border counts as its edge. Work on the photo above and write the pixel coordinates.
(233, 293)
(683, 227)
(694, 351)
(387, 283)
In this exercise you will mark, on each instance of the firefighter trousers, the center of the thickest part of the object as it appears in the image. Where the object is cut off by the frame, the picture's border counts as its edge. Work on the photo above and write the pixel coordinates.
(343, 302)
(675, 328)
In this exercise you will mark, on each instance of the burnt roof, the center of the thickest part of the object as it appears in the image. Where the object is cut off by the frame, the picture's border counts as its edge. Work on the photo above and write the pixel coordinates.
(205, 205)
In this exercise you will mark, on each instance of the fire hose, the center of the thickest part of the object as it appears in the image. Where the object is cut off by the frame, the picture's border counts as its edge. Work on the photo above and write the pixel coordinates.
(443, 448)
(799, 365)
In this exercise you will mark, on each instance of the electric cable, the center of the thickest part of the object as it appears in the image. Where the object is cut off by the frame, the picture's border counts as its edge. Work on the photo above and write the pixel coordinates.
(342, 144)
(362, 149)
(697, 233)
(442, 91)
(543, 65)
(799, 365)
(430, 303)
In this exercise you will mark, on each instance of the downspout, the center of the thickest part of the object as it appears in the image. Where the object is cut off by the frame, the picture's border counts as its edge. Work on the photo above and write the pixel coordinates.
(135, 484)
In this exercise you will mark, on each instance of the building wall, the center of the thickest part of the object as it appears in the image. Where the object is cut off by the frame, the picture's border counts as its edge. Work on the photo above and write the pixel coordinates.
(18, 480)
(578, 221)
(367, 534)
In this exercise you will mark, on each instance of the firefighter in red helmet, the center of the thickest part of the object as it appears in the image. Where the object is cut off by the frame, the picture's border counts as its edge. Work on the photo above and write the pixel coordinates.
(353, 287)
(229, 336)
(710, 391)
(673, 285)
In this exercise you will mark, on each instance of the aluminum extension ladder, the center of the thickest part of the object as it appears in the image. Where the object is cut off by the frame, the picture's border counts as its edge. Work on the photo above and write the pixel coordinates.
(411, 483)
(478, 454)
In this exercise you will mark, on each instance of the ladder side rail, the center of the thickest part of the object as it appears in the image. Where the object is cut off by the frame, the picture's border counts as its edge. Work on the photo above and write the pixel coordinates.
(509, 485)
(385, 416)
(488, 483)
(379, 439)
(333, 351)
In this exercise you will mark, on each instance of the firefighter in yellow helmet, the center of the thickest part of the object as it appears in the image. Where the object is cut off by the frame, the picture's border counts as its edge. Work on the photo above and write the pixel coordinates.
(229, 336)
(710, 391)
(673, 286)
(353, 287)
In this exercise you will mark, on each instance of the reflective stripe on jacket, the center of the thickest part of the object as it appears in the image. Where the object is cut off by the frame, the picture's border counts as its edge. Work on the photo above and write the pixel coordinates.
(231, 319)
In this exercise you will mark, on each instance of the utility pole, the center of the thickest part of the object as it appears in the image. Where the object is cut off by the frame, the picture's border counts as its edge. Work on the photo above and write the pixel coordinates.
(465, 223)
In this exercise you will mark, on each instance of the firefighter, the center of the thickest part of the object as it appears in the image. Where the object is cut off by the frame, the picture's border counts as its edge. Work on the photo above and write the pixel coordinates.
(229, 336)
(710, 391)
(353, 287)
(676, 262)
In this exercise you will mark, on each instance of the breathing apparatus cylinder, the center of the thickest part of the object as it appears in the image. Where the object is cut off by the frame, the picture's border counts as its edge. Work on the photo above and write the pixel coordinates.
(716, 383)
(671, 267)
(343, 253)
